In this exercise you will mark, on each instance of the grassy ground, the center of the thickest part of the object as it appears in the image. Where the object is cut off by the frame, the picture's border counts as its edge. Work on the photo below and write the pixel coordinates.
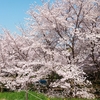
(31, 96)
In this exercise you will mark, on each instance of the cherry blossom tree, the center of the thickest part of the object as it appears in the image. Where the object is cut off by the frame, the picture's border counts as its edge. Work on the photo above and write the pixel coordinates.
(62, 37)
(23, 60)
(70, 26)
(65, 22)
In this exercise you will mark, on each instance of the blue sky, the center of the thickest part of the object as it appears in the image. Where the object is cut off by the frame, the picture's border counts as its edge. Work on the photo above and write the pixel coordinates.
(13, 12)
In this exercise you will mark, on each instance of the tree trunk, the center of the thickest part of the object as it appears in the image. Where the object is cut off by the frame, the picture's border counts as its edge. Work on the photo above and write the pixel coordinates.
(1, 89)
(26, 95)
(72, 50)
(26, 92)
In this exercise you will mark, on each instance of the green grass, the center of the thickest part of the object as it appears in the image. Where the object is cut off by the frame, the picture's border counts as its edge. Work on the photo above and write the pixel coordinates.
(21, 96)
